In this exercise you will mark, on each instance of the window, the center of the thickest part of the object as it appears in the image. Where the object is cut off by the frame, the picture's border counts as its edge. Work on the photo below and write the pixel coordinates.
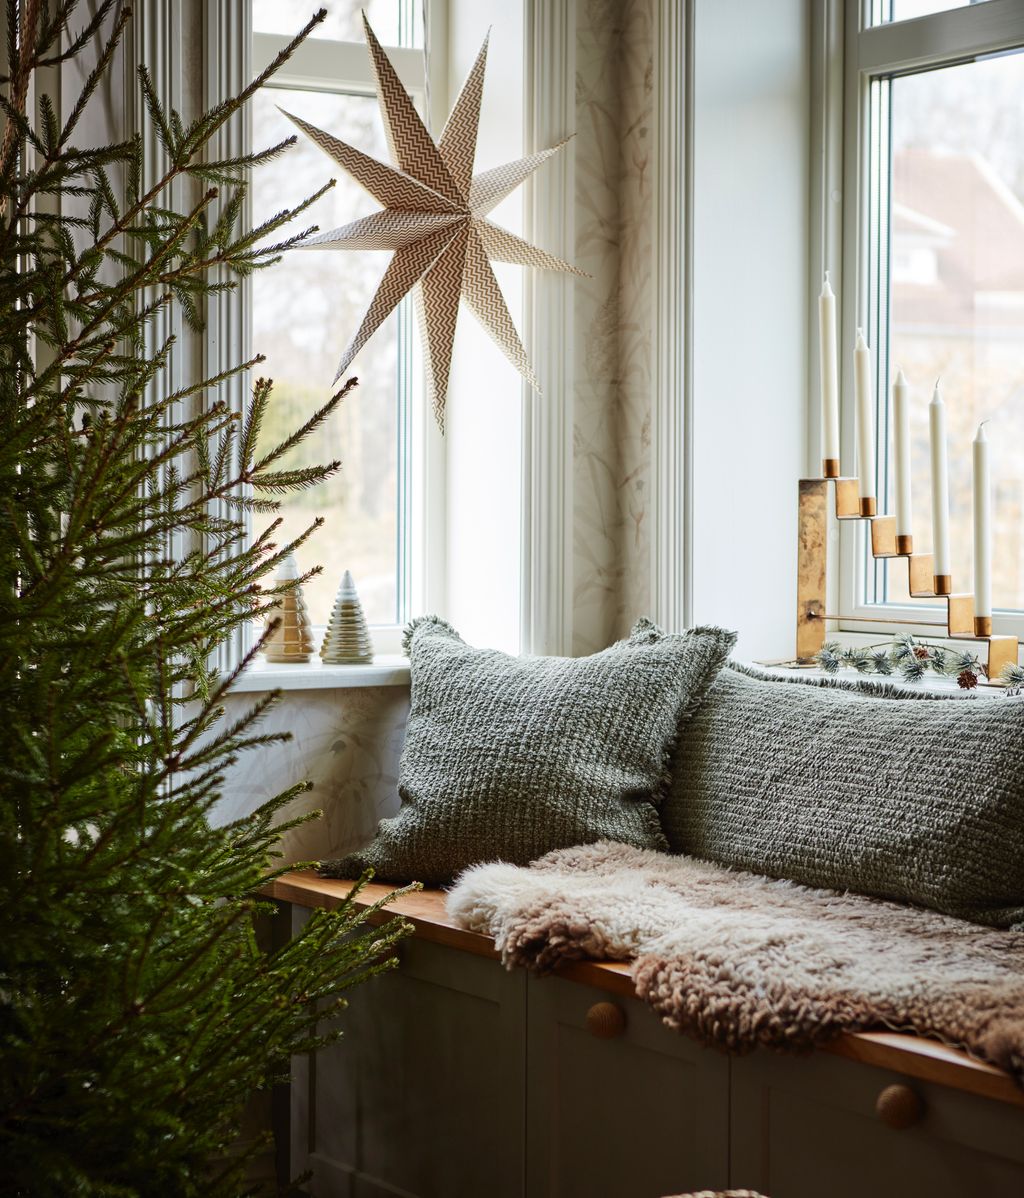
(933, 250)
(306, 309)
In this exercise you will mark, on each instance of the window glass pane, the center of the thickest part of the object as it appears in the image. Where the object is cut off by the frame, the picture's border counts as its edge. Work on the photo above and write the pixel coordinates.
(395, 22)
(305, 311)
(955, 266)
(884, 11)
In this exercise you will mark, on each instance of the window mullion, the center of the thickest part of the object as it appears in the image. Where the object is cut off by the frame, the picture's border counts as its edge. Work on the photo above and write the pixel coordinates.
(941, 38)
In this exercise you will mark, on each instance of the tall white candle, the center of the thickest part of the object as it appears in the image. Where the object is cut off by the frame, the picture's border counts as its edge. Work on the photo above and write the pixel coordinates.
(865, 420)
(829, 360)
(940, 483)
(982, 526)
(901, 450)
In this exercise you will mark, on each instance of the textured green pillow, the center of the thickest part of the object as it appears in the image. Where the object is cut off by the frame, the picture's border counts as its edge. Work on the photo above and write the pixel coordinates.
(510, 757)
(858, 786)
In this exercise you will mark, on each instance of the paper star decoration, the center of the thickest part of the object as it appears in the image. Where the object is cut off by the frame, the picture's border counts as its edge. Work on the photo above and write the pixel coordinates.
(435, 220)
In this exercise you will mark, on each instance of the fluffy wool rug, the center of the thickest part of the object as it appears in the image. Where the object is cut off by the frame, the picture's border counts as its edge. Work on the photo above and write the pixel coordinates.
(737, 960)
(721, 1194)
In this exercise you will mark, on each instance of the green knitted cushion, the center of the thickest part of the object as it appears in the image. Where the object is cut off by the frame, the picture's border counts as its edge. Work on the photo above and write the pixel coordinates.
(858, 786)
(510, 757)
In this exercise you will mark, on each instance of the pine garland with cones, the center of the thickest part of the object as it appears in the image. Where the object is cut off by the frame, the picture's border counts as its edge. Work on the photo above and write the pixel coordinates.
(907, 657)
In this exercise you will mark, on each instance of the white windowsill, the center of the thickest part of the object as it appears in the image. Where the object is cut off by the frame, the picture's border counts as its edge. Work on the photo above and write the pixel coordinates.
(384, 670)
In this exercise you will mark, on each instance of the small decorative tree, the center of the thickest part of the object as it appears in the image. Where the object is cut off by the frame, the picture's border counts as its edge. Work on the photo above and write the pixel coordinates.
(290, 635)
(346, 638)
(137, 1012)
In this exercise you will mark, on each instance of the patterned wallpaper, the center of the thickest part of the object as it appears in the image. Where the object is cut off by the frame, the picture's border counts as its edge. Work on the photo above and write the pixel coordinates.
(346, 742)
(611, 436)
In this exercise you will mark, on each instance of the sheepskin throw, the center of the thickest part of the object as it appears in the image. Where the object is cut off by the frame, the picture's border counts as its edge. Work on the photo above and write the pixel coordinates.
(896, 793)
(738, 960)
(511, 757)
(721, 1194)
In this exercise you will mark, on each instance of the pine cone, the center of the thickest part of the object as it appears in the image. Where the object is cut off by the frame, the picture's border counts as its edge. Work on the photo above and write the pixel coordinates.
(921, 652)
(967, 680)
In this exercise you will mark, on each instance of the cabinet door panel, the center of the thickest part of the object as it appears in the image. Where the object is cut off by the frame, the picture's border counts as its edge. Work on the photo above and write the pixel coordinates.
(424, 1095)
(803, 1127)
(641, 1114)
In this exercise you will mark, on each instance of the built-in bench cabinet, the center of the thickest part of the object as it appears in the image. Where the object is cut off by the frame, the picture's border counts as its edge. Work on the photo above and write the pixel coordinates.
(810, 1128)
(457, 1078)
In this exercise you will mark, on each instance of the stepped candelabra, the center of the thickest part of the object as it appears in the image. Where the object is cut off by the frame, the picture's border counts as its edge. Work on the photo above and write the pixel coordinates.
(960, 623)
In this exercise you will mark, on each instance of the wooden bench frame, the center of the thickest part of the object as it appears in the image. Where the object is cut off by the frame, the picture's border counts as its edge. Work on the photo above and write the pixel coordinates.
(913, 1056)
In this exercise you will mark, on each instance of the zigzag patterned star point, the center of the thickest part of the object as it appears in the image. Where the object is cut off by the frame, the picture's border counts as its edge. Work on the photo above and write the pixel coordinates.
(434, 220)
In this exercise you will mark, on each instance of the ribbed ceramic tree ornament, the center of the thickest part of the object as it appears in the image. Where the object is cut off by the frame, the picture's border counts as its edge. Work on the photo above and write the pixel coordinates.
(347, 639)
(292, 640)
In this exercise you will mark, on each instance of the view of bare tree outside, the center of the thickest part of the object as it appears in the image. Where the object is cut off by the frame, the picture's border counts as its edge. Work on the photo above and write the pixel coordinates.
(395, 22)
(305, 311)
(907, 10)
(956, 294)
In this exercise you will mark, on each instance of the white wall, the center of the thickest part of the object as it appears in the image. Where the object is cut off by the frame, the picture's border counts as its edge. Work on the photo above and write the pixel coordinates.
(750, 230)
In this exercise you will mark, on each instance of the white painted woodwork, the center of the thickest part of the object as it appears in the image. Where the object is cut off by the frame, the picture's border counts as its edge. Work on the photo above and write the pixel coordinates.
(227, 338)
(671, 280)
(549, 61)
(324, 64)
(959, 34)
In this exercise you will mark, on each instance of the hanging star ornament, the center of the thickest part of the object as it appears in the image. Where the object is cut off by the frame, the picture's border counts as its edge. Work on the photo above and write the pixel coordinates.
(435, 220)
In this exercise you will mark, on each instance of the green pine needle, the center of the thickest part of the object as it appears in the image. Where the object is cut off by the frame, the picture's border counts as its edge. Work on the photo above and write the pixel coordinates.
(140, 1006)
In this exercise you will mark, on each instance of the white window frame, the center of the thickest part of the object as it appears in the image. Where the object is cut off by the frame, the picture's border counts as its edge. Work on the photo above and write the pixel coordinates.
(850, 53)
(329, 65)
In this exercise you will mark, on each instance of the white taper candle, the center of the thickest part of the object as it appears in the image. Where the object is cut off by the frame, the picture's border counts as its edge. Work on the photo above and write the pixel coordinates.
(901, 452)
(829, 361)
(982, 526)
(865, 418)
(940, 484)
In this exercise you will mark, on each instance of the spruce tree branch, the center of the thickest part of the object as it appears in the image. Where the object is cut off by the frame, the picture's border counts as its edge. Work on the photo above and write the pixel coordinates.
(318, 417)
(21, 73)
(115, 297)
(31, 188)
(81, 39)
(129, 890)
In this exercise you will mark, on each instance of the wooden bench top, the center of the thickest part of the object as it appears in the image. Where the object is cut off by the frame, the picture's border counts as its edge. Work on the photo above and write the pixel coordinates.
(914, 1056)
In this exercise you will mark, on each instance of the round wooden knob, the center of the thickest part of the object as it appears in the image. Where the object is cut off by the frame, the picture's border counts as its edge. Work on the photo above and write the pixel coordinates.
(606, 1020)
(899, 1106)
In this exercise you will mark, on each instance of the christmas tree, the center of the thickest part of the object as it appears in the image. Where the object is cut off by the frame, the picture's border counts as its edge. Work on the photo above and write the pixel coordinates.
(137, 1010)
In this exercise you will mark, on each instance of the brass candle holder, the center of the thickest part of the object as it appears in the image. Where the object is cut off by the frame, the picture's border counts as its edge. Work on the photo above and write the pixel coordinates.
(960, 624)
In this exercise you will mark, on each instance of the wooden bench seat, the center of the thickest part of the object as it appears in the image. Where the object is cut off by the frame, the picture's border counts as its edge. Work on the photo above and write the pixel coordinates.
(910, 1055)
